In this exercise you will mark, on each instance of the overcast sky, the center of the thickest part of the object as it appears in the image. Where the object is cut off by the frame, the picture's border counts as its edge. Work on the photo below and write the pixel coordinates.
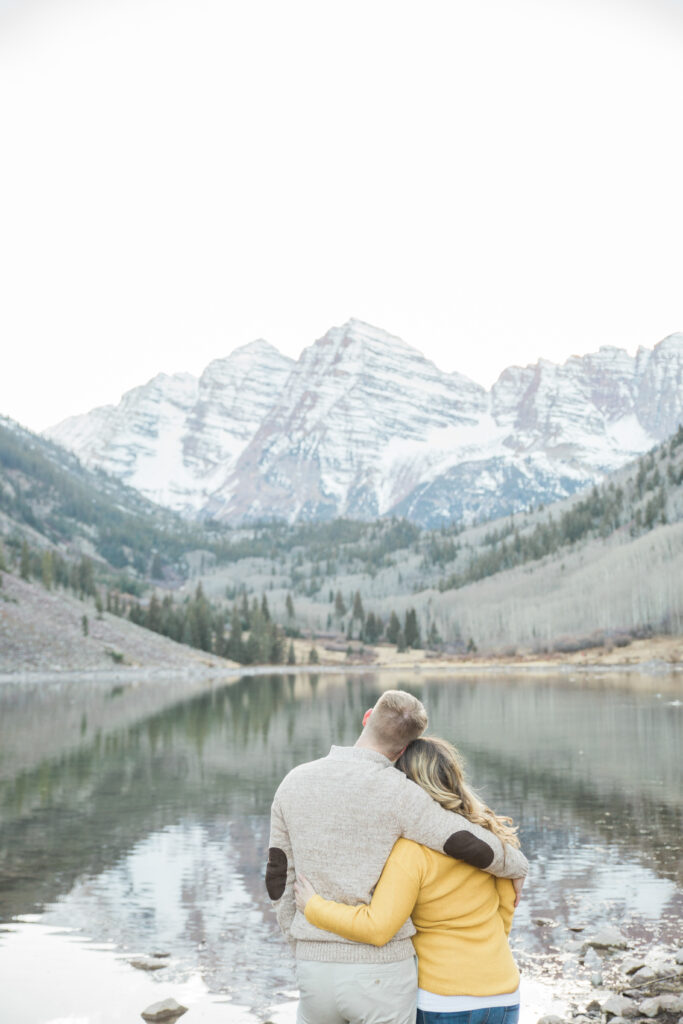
(493, 181)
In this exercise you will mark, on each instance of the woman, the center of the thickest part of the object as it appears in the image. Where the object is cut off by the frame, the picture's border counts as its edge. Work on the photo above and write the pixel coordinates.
(462, 915)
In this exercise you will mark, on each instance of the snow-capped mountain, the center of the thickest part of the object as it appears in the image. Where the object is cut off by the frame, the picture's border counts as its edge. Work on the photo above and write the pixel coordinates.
(175, 437)
(364, 425)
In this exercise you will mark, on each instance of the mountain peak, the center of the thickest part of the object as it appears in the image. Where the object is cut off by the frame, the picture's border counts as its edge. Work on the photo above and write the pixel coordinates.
(363, 424)
(257, 346)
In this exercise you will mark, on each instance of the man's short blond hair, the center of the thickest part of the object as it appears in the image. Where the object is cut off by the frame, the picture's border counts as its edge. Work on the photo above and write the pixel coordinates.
(397, 719)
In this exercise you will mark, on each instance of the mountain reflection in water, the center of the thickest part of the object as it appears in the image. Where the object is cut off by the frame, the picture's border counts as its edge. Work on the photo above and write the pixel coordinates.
(139, 813)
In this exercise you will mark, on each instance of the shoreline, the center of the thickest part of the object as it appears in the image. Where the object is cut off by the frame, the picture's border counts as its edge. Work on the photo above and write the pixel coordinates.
(652, 667)
(614, 980)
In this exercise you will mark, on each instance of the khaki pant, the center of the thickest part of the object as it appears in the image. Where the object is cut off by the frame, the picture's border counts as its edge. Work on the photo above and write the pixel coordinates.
(357, 993)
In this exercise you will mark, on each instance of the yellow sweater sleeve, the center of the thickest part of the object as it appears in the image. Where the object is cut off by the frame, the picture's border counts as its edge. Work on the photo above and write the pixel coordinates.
(391, 905)
(506, 906)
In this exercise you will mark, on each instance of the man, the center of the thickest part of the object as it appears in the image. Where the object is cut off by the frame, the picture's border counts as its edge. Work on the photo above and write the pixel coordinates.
(335, 820)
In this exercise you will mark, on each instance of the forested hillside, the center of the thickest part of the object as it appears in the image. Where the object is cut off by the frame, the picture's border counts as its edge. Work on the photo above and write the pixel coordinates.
(47, 495)
(597, 568)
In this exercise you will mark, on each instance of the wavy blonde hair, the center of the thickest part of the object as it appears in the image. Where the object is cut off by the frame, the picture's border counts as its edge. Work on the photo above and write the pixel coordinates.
(439, 769)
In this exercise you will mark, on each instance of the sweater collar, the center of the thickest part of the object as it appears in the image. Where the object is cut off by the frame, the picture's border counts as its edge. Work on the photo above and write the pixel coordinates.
(358, 753)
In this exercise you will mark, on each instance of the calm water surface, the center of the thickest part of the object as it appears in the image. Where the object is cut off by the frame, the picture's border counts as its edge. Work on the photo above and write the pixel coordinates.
(136, 817)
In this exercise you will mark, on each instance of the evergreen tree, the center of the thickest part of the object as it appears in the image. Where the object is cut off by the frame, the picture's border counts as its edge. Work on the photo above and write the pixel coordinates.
(25, 562)
(47, 570)
(277, 646)
(411, 630)
(154, 615)
(235, 649)
(199, 613)
(244, 611)
(251, 650)
(219, 643)
(394, 628)
(86, 577)
(372, 630)
(433, 638)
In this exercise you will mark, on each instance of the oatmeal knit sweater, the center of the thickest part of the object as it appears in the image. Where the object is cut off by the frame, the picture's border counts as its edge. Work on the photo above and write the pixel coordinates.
(336, 820)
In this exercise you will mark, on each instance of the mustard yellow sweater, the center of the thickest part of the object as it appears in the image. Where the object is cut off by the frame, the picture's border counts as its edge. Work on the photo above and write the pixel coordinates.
(462, 915)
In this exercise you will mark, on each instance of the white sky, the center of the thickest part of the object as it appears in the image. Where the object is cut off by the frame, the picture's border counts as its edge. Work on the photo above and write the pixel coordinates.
(493, 181)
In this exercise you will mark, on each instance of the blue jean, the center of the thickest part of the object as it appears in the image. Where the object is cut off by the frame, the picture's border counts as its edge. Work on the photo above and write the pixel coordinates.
(487, 1015)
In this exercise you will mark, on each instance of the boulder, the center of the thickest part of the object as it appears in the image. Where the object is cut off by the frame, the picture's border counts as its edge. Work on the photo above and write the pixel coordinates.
(619, 1006)
(608, 937)
(165, 1010)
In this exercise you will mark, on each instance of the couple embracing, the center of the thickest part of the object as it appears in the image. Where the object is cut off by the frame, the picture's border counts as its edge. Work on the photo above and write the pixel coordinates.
(445, 860)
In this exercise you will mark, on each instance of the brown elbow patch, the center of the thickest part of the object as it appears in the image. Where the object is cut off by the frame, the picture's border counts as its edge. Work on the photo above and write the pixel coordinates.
(276, 872)
(464, 846)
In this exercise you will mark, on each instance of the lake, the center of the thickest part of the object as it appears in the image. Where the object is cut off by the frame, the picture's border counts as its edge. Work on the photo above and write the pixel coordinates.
(134, 820)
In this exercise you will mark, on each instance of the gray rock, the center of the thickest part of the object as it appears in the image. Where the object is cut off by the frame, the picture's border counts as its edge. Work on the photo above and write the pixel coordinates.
(644, 974)
(144, 963)
(165, 1010)
(619, 1006)
(632, 964)
(592, 959)
(608, 937)
(671, 1002)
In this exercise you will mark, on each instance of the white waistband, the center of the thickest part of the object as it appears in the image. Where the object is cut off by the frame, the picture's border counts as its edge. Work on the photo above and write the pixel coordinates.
(457, 1004)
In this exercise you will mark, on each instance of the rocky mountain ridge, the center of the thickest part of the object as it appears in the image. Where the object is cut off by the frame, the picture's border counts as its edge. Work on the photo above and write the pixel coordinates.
(363, 425)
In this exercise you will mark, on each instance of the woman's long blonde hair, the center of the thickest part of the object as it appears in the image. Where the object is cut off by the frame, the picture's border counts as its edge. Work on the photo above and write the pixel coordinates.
(438, 768)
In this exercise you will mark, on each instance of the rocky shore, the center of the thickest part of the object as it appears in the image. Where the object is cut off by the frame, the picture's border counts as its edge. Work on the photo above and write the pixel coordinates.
(628, 987)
